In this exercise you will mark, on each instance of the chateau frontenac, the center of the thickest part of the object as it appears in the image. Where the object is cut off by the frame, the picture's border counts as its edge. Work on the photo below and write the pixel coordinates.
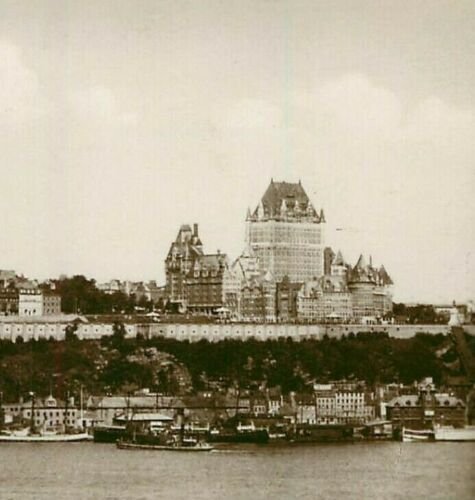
(285, 272)
(285, 232)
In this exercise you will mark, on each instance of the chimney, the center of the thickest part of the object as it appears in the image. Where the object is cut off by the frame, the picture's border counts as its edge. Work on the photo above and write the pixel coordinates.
(195, 229)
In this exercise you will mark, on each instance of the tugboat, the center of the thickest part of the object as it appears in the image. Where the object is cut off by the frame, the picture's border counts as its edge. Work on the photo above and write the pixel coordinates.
(158, 443)
(147, 439)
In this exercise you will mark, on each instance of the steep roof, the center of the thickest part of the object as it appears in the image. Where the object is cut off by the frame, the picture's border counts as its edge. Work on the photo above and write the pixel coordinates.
(210, 262)
(362, 272)
(384, 276)
(338, 260)
(187, 243)
(280, 191)
(361, 264)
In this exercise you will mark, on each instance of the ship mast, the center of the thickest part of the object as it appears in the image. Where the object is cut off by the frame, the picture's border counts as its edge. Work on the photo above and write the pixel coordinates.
(32, 418)
(2, 415)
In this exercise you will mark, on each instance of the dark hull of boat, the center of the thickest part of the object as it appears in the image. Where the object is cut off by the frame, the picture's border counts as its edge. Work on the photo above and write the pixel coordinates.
(321, 434)
(124, 445)
(108, 434)
(258, 436)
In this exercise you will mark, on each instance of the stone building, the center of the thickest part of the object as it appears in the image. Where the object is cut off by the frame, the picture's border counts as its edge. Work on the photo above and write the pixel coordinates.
(183, 252)
(9, 299)
(37, 302)
(339, 403)
(198, 282)
(47, 414)
(257, 289)
(210, 284)
(286, 233)
(426, 409)
(286, 300)
(358, 294)
(370, 290)
(257, 301)
(327, 299)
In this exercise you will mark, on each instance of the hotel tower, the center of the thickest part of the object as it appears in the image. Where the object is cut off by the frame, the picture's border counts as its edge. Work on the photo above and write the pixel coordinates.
(285, 233)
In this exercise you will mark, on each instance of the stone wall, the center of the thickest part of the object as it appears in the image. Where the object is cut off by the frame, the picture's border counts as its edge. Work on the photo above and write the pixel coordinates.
(11, 330)
(216, 332)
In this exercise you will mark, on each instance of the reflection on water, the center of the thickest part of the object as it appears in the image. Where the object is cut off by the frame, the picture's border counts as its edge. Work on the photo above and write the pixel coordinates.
(361, 471)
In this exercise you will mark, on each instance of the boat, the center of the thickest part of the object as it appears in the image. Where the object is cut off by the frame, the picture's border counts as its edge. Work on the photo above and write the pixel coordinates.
(447, 433)
(39, 434)
(164, 440)
(317, 433)
(108, 433)
(172, 446)
(238, 434)
(142, 436)
(25, 436)
(412, 435)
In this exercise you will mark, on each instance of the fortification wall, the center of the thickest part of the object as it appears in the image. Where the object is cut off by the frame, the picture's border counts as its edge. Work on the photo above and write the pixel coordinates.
(216, 332)
(192, 332)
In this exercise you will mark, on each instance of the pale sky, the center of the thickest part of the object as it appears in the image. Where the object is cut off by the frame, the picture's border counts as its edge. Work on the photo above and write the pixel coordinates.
(121, 120)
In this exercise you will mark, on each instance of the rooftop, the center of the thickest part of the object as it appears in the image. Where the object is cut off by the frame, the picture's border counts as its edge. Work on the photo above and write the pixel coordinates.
(286, 199)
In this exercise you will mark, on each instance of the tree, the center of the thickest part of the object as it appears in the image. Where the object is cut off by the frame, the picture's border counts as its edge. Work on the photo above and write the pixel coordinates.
(70, 332)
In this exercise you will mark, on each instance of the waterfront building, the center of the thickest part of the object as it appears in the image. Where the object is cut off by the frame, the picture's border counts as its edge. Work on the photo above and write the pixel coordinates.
(47, 414)
(305, 408)
(275, 401)
(344, 403)
(105, 410)
(258, 404)
(426, 409)
(286, 233)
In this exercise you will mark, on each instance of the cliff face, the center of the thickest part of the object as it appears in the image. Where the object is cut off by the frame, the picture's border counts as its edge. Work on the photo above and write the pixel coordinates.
(116, 365)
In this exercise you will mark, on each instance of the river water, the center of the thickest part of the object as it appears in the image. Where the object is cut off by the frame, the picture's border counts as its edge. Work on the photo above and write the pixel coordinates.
(384, 470)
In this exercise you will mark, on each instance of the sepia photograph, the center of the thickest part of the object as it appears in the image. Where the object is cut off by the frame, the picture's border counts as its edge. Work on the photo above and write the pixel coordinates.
(237, 249)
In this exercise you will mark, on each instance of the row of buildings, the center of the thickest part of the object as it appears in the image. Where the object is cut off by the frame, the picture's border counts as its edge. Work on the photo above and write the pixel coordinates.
(22, 297)
(148, 291)
(337, 403)
(285, 273)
